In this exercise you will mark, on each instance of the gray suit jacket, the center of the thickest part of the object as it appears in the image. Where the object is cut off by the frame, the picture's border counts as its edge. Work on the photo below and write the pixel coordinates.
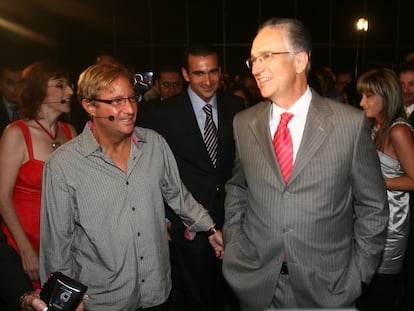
(329, 220)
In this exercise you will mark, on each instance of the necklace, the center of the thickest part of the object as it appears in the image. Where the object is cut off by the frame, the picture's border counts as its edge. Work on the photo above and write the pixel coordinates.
(55, 144)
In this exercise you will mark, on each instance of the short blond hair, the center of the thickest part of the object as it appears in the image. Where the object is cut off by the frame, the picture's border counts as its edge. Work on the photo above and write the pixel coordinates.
(98, 77)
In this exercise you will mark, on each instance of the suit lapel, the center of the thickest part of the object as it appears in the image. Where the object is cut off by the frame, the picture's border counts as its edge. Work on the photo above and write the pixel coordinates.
(317, 129)
(261, 131)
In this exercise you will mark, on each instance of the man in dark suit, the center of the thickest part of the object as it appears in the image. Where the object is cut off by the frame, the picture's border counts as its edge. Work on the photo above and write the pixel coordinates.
(181, 120)
(306, 208)
(9, 101)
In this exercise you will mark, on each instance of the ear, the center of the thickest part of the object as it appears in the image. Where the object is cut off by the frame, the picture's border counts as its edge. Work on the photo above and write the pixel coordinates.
(185, 74)
(301, 61)
(89, 107)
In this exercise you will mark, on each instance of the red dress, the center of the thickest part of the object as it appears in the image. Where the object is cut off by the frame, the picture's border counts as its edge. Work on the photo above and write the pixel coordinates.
(27, 192)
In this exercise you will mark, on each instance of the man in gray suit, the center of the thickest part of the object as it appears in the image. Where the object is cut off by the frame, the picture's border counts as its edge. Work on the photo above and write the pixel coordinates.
(309, 238)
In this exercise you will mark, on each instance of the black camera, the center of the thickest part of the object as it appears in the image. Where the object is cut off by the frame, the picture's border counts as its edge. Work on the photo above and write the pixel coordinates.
(62, 293)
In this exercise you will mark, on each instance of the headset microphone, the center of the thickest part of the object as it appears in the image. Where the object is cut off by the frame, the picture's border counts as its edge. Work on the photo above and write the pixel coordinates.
(110, 118)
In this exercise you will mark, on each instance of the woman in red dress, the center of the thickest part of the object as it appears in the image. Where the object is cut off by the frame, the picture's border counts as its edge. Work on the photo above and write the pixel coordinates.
(24, 146)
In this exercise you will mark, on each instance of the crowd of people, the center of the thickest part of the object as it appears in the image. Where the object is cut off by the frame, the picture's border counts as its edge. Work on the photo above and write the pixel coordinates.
(286, 188)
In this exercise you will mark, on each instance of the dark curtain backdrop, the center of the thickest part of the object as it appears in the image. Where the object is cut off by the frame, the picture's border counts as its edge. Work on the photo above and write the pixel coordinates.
(143, 33)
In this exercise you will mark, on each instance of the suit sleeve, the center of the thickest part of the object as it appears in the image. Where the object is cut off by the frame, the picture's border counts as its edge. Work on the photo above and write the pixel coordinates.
(236, 201)
(371, 204)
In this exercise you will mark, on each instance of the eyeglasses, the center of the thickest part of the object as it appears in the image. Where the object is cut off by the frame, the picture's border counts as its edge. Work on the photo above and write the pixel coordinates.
(62, 85)
(172, 85)
(116, 102)
(263, 57)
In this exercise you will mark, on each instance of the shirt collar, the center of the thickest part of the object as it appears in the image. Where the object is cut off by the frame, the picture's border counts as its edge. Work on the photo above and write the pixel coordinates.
(199, 103)
(299, 108)
(91, 144)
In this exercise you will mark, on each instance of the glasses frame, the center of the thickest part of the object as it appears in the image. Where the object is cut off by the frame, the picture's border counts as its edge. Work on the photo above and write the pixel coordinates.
(117, 102)
(264, 57)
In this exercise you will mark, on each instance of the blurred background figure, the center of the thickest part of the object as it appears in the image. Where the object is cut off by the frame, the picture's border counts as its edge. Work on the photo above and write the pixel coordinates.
(45, 94)
(406, 76)
(382, 101)
(410, 57)
(105, 58)
(242, 91)
(343, 78)
(226, 82)
(9, 100)
(250, 83)
(327, 82)
(168, 82)
(350, 95)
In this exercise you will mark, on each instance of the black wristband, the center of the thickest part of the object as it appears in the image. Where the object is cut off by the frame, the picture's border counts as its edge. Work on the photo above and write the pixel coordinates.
(211, 231)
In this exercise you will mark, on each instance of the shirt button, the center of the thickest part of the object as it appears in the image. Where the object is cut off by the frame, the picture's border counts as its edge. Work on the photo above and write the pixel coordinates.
(143, 281)
(133, 209)
(139, 233)
(142, 257)
(127, 182)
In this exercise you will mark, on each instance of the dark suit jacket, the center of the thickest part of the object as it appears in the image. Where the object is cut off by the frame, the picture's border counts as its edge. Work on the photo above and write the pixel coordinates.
(175, 120)
(4, 115)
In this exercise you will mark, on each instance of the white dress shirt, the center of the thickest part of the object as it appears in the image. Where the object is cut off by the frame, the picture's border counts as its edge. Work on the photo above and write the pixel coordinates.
(297, 123)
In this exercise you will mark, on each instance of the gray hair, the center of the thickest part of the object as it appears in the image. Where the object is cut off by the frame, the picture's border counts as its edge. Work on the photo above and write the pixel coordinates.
(298, 37)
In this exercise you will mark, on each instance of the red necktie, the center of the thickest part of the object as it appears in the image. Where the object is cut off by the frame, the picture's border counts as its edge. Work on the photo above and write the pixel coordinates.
(282, 142)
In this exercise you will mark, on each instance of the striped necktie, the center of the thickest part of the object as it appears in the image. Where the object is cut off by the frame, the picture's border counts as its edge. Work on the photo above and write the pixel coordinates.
(283, 145)
(210, 134)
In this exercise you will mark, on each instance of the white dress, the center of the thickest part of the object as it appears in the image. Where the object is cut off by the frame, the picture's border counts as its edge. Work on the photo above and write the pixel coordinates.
(398, 224)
